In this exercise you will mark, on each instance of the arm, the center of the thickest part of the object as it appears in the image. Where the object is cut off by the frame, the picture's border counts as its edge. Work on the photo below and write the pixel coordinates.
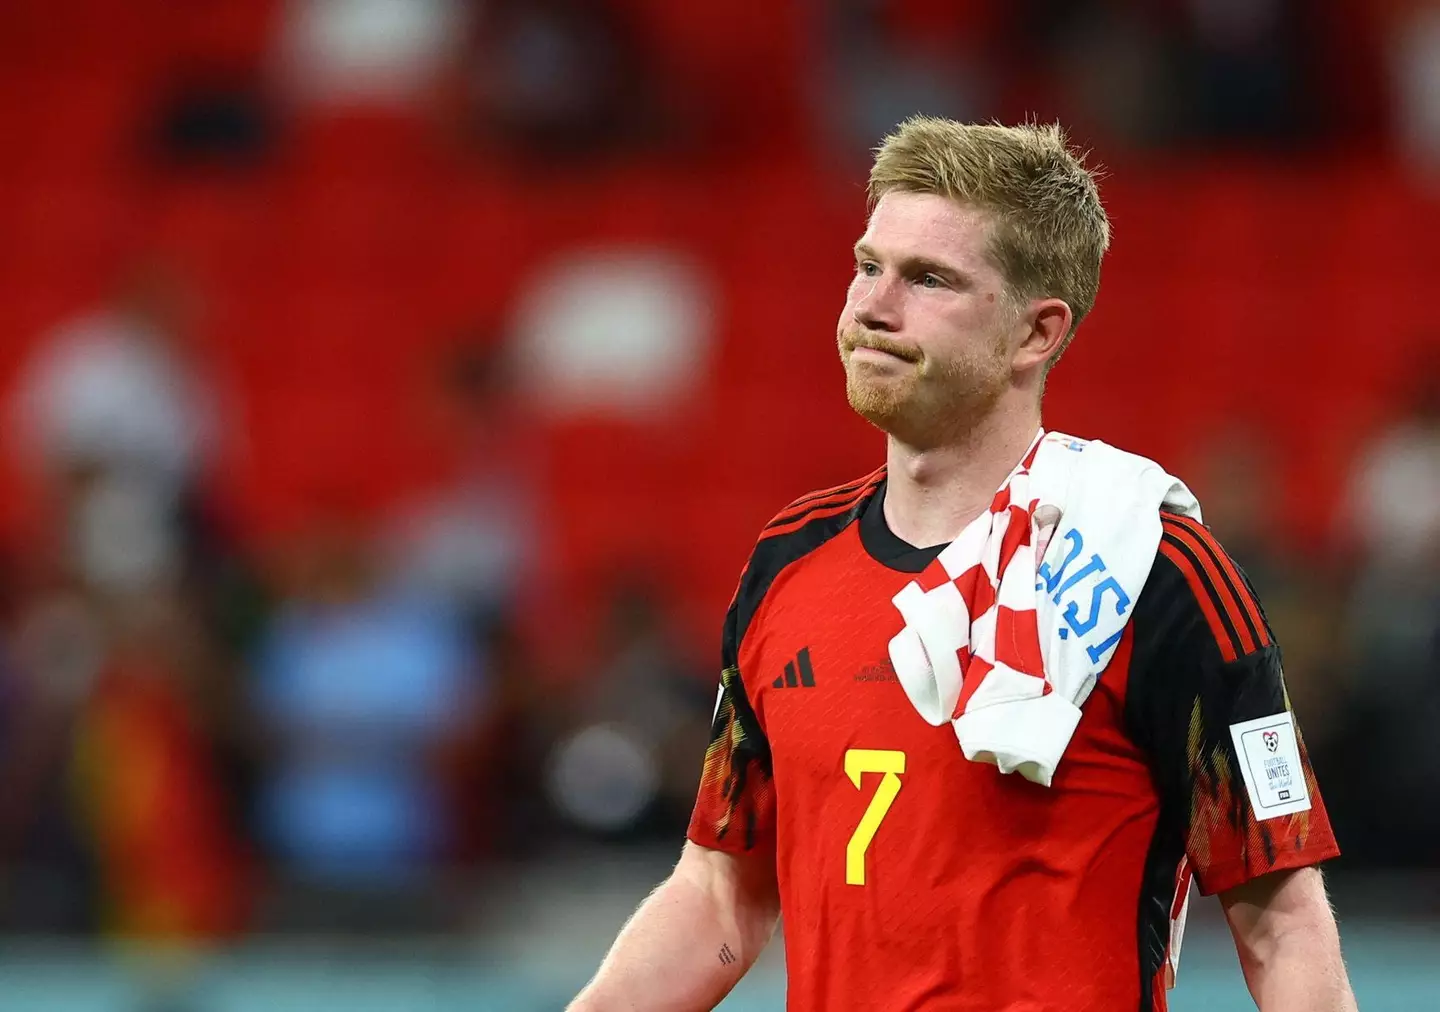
(692, 939)
(1288, 944)
(1207, 697)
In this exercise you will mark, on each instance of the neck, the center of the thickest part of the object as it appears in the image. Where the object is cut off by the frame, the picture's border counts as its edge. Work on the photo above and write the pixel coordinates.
(931, 494)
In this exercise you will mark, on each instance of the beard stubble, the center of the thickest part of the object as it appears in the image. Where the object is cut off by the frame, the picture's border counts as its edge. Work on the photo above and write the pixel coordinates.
(931, 401)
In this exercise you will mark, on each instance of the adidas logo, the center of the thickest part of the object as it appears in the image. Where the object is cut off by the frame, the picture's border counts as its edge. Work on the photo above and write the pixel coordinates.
(797, 673)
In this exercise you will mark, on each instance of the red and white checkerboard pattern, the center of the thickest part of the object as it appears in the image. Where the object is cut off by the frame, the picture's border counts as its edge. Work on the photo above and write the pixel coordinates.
(979, 633)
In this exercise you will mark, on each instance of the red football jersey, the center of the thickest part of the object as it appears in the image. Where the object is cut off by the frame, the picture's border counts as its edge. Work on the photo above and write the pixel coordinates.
(913, 878)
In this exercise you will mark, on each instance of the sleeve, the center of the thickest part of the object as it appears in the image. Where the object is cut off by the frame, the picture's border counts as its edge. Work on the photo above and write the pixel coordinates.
(1209, 705)
(735, 807)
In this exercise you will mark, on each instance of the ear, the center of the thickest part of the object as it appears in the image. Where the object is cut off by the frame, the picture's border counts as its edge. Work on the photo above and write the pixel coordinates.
(1042, 329)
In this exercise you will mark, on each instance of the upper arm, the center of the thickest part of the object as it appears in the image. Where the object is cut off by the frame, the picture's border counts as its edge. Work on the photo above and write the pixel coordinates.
(1213, 675)
(1291, 896)
(1279, 912)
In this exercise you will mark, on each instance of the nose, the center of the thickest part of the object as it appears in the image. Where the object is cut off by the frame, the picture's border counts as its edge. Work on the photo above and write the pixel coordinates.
(877, 304)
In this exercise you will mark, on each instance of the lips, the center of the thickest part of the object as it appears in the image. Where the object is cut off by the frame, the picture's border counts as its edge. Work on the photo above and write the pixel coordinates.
(902, 356)
(878, 344)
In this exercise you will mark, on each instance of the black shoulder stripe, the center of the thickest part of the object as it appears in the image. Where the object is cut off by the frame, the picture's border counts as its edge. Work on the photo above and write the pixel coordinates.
(1238, 596)
(828, 499)
(1222, 621)
(796, 508)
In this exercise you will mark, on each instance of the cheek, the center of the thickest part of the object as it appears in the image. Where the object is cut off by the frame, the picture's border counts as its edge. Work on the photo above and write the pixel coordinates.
(857, 288)
(853, 294)
(979, 311)
(979, 317)
(963, 329)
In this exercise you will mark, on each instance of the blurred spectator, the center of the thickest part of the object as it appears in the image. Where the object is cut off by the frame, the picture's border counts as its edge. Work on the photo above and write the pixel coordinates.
(471, 540)
(1414, 64)
(619, 332)
(1238, 72)
(1247, 71)
(557, 80)
(1108, 71)
(51, 662)
(163, 827)
(1394, 513)
(492, 762)
(120, 416)
(359, 684)
(112, 785)
(123, 392)
(889, 59)
(360, 52)
(1392, 754)
(629, 763)
(213, 118)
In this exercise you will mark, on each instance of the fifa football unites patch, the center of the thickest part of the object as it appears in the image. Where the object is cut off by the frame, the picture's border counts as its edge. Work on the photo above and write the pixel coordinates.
(1270, 763)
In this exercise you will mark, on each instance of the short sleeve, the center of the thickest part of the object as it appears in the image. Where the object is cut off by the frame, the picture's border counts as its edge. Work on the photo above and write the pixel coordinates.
(1207, 700)
(735, 807)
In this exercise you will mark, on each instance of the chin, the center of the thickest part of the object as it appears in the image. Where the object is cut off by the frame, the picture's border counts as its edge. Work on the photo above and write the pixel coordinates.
(901, 410)
(881, 404)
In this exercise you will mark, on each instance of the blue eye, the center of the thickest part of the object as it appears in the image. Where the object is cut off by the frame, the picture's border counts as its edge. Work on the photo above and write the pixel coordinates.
(931, 281)
(868, 269)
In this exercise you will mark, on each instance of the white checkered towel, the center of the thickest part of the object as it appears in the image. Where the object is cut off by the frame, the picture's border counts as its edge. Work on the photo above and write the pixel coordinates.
(1008, 629)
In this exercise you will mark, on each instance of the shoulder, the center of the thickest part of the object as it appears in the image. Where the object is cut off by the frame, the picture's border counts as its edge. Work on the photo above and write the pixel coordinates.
(1202, 645)
(1196, 579)
(795, 532)
(821, 504)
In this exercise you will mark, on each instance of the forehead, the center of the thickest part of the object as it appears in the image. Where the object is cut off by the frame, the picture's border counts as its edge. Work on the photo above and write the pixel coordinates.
(929, 225)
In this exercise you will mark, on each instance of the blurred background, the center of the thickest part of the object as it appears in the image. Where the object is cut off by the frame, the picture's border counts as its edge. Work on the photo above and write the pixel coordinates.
(393, 389)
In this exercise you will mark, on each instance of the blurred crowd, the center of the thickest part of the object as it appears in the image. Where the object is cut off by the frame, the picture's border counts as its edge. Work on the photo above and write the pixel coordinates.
(559, 85)
(199, 740)
(201, 737)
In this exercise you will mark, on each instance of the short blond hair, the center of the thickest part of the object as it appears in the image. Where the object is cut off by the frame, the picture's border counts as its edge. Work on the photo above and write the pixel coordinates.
(1051, 231)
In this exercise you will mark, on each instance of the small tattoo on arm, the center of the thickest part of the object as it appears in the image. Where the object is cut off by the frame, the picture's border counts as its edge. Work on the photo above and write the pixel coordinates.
(726, 956)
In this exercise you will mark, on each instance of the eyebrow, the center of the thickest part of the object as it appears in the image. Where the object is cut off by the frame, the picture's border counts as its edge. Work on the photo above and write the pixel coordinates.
(915, 264)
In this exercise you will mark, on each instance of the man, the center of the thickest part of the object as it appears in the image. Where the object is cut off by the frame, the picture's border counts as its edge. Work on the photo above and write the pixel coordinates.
(910, 876)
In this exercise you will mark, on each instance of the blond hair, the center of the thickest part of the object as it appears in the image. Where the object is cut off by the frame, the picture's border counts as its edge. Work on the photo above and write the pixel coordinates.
(1051, 231)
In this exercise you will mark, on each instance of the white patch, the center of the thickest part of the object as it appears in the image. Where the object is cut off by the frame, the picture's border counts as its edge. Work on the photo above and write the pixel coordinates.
(1270, 763)
(719, 695)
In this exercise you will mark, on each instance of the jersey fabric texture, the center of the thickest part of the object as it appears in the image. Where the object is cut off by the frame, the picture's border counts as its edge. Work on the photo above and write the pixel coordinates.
(913, 878)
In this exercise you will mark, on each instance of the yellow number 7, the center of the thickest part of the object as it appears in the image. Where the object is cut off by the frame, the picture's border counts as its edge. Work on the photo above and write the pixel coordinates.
(869, 760)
